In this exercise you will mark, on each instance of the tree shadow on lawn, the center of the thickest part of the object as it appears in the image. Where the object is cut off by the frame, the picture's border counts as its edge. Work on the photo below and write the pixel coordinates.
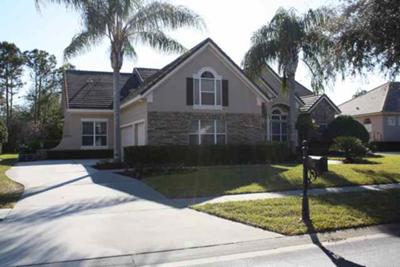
(379, 176)
(336, 259)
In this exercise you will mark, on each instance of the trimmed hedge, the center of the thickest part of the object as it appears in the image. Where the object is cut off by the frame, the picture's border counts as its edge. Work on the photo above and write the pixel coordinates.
(79, 154)
(386, 146)
(195, 155)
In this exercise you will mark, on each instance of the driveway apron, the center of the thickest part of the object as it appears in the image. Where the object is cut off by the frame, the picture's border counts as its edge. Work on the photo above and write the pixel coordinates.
(70, 211)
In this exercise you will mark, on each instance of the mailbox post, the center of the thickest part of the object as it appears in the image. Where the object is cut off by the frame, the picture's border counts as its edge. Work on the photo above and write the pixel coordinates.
(305, 212)
(313, 166)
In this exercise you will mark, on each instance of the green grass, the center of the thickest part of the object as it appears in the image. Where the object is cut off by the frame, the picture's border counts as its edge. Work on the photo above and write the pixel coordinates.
(328, 212)
(222, 180)
(10, 191)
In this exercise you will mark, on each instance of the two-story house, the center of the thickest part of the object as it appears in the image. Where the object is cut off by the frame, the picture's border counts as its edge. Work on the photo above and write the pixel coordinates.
(202, 97)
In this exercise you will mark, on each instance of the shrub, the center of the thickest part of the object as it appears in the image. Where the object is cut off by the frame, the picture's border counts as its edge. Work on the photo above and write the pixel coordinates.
(351, 147)
(109, 165)
(346, 126)
(194, 155)
(79, 154)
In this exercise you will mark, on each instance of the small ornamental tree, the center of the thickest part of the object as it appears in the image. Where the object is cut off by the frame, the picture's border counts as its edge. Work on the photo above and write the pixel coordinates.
(346, 126)
(351, 147)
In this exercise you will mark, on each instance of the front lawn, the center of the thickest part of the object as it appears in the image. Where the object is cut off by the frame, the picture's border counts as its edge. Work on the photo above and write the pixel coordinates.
(10, 191)
(328, 212)
(222, 180)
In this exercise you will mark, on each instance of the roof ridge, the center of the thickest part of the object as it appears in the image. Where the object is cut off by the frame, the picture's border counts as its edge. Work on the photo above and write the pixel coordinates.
(97, 72)
(368, 92)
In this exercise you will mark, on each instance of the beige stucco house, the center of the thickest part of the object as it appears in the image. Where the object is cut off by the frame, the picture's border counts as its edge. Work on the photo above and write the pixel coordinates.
(202, 97)
(379, 111)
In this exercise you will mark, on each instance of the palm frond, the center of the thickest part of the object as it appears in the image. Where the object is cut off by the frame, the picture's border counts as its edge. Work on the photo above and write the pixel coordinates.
(129, 50)
(160, 41)
(81, 42)
(162, 15)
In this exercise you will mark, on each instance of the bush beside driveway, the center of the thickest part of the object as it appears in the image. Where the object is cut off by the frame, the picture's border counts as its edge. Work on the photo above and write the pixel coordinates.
(10, 191)
(238, 179)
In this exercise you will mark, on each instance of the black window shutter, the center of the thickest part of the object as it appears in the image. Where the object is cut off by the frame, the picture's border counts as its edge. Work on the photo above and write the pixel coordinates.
(225, 93)
(189, 91)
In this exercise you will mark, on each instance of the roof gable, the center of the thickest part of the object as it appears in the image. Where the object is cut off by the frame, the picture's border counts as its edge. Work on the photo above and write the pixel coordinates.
(156, 78)
(312, 101)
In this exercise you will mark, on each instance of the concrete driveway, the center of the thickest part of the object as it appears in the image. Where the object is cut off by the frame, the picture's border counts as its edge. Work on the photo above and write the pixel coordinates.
(71, 211)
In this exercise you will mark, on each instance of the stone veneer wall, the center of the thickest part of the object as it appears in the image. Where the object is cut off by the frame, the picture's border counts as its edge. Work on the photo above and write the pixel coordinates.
(165, 128)
(323, 113)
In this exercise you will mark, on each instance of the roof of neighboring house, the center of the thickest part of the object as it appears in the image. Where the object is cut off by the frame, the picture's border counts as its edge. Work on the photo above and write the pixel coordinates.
(385, 98)
(311, 101)
(90, 89)
(157, 76)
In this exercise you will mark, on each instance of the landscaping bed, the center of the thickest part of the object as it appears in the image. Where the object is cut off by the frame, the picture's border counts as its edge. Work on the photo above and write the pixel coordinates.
(238, 179)
(10, 191)
(328, 212)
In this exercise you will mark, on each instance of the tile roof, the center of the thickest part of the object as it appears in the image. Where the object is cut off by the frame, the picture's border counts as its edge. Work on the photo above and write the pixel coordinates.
(90, 89)
(309, 101)
(385, 98)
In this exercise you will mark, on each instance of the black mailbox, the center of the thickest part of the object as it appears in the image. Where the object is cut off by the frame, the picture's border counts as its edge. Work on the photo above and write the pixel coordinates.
(317, 165)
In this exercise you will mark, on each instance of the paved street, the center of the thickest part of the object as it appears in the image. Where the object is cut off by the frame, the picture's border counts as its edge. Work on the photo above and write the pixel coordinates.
(379, 250)
(70, 211)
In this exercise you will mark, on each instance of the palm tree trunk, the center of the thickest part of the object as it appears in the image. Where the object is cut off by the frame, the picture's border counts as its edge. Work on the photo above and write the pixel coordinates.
(117, 129)
(293, 113)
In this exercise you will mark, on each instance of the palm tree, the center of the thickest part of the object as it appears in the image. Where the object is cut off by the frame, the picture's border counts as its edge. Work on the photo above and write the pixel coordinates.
(285, 40)
(126, 23)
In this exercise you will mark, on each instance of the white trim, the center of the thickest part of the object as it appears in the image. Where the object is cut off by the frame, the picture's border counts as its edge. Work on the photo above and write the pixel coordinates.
(217, 79)
(138, 73)
(215, 134)
(132, 123)
(94, 133)
(102, 111)
(329, 101)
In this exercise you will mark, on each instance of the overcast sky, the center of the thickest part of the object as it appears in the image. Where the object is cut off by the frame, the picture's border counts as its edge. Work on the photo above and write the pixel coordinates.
(229, 23)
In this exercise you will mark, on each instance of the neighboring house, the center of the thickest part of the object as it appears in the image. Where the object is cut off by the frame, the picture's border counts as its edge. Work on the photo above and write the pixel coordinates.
(379, 111)
(320, 107)
(202, 97)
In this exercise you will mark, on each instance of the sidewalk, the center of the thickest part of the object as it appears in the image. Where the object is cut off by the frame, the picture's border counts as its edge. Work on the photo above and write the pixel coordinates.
(194, 256)
(184, 202)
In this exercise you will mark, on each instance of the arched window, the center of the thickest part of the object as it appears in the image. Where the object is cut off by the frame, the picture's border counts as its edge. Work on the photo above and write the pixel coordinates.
(279, 126)
(207, 88)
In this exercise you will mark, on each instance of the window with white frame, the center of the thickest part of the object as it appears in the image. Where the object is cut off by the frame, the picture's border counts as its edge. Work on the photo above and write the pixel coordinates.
(279, 126)
(207, 132)
(391, 121)
(207, 88)
(94, 133)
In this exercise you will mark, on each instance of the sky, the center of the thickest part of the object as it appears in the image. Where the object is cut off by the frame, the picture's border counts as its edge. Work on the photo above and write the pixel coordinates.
(229, 23)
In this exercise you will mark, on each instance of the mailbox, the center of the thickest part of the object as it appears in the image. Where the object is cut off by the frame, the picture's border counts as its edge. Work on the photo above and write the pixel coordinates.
(317, 165)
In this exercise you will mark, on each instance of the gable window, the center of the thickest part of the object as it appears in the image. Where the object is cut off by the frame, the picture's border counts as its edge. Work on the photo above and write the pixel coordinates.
(279, 126)
(94, 133)
(207, 88)
(207, 132)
